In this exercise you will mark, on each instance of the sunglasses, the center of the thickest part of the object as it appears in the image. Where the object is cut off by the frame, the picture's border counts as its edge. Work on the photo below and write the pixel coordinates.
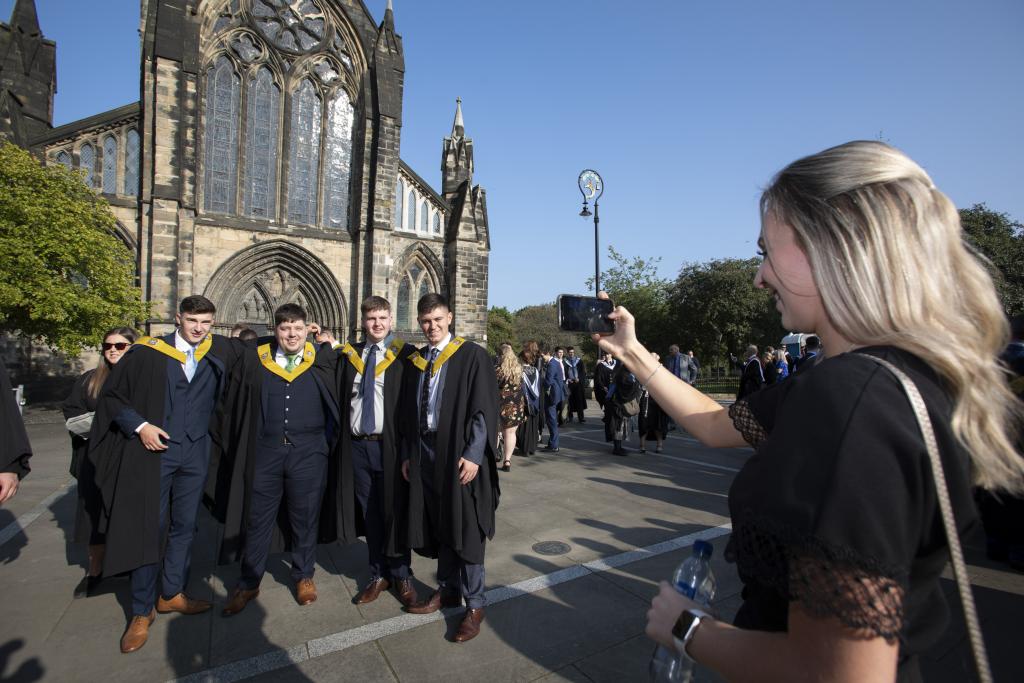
(120, 346)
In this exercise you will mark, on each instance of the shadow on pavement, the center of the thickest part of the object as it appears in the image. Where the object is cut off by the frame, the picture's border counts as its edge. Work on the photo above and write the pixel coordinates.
(10, 550)
(30, 670)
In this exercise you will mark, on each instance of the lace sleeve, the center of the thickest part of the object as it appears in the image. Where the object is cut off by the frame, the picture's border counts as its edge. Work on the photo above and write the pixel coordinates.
(827, 580)
(746, 424)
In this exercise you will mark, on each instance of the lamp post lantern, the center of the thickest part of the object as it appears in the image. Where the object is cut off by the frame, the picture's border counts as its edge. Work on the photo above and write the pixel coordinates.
(592, 187)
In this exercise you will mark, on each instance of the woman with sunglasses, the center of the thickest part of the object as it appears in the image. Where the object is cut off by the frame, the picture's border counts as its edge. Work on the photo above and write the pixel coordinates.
(78, 410)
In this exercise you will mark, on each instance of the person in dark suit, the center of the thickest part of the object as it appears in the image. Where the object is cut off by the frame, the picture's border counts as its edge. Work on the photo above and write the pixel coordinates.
(554, 393)
(150, 449)
(370, 384)
(576, 380)
(752, 378)
(449, 437)
(283, 418)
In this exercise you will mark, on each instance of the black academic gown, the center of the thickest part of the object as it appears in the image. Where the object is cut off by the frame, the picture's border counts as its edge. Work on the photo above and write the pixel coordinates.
(347, 524)
(229, 482)
(466, 514)
(79, 402)
(577, 393)
(14, 446)
(126, 474)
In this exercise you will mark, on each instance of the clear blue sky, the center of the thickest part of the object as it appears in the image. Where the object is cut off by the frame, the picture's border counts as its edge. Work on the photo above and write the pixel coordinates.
(686, 108)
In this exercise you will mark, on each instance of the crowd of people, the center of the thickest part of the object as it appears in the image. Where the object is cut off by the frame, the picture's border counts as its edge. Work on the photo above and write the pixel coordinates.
(836, 529)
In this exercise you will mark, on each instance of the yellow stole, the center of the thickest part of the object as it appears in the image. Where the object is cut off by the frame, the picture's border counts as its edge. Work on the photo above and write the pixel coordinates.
(390, 354)
(169, 350)
(421, 363)
(267, 359)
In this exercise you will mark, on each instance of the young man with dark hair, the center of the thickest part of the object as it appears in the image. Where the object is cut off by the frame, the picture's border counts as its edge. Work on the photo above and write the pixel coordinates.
(554, 394)
(448, 442)
(150, 446)
(576, 380)
(370, 479)
(282, 422)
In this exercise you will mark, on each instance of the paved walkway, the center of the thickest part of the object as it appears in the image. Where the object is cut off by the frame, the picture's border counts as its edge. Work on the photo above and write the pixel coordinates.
(575, 616)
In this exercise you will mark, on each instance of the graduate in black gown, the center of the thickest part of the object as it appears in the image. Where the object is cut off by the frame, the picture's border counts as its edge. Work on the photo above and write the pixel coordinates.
(150, 445)
(15, 450)
(448, 436)
(281, 426)
(575, 381)
(78, 409)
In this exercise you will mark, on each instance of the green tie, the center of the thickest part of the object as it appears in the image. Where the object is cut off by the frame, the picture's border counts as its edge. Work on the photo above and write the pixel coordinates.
(293, 360)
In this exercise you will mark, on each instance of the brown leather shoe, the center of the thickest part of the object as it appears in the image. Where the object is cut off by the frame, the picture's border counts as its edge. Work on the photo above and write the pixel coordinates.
(436, 601)
(305, 591)
(406, 592)
(137, 633)
(239, 599)
(470, 626)
(181, 603)
(372, 591)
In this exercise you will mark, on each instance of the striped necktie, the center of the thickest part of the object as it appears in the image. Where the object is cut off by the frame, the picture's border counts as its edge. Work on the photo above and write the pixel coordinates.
(368, 422)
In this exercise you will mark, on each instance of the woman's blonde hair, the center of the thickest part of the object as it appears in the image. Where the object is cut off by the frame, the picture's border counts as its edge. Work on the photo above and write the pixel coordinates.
(892, 268)
(509, 368)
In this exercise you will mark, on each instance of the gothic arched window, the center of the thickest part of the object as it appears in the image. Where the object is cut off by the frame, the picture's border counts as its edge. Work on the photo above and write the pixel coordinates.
(65, 159)
(131, 162)
(110, 165)
(221, 160)
(404, 323)
(304, 154)
(410, 222)
(338, 161)
(424, 288)
(437, 223)
(87, 163)
(399, 199)
(261, 146)
(425, 217)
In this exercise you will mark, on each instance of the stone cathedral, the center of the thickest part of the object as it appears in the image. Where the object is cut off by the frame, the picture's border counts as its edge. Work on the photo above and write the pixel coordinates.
(261, 164)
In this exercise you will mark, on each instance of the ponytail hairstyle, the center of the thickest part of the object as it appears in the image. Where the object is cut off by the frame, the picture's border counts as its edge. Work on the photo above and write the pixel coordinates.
(892, 268)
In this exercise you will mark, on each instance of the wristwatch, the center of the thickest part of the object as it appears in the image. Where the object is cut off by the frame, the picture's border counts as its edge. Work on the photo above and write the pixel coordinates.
(686, 627)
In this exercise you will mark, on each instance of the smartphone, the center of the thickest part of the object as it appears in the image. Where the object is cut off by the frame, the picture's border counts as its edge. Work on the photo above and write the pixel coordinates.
(585, 314)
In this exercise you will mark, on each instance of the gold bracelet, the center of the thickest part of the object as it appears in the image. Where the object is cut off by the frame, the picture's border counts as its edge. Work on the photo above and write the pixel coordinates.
(651, 375)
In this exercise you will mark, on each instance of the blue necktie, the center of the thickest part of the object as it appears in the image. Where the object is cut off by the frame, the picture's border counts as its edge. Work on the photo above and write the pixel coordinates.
(190, 364)
(368, 423)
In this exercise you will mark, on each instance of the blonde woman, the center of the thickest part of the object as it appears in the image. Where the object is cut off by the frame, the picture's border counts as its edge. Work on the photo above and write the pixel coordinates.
(512, 407)
(836, 529)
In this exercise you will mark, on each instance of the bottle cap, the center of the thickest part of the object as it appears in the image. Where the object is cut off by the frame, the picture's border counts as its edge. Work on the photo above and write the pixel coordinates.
(702, 548)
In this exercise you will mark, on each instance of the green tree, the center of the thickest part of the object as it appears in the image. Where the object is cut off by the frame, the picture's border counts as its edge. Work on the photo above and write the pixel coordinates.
(1001, 241)
(634, 283)
(66, 277)
(540, 323)
(719, 311)
(499, 328)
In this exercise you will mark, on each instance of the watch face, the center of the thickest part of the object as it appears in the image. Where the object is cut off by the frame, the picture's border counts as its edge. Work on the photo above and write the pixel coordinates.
(682, 624)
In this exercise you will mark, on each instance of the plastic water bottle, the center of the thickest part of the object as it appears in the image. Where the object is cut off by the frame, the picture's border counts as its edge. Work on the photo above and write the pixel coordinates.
(694, 579)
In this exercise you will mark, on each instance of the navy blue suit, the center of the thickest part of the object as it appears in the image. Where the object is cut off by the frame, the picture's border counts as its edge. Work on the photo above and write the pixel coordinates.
(297, 420)
(183, 469)
(554, 389)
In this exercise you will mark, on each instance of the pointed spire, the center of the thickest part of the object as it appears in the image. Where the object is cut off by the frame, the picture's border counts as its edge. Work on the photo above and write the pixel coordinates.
(389, 8)
(389, 17)
(458, 127)
(24, 18)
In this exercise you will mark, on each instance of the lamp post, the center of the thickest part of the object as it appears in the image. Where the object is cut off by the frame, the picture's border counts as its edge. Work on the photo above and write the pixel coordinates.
(592, 187)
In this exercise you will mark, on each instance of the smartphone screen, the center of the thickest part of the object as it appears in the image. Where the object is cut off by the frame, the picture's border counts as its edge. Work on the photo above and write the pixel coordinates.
(585, 314)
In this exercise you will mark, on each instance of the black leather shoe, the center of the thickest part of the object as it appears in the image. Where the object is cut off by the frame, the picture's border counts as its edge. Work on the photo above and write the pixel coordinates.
(549, 449)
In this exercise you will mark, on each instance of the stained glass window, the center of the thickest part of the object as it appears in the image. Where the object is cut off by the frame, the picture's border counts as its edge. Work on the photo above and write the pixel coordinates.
(261, 146)
(64, 158)
(437, 223)
(410, 223)
(87, 163)
(424, 218)
(131, 162)
(110, 165)
(399, 197)
(424, 287)
(221, 158)
(403, 304)
(304, 154)
(338, 161)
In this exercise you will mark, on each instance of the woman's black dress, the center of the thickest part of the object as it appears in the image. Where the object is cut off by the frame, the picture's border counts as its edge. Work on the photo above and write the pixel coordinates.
(653, 420)
(78, 403)
(837, 508)
(528, 432)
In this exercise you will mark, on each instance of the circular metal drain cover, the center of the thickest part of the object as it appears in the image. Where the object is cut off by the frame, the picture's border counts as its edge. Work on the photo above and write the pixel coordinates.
(551, 548)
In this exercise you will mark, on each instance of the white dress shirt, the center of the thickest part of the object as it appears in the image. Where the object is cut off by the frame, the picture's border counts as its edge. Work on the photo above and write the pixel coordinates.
(436, 384)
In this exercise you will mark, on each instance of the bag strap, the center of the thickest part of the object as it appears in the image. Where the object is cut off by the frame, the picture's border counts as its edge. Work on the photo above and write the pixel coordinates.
(946, 508)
